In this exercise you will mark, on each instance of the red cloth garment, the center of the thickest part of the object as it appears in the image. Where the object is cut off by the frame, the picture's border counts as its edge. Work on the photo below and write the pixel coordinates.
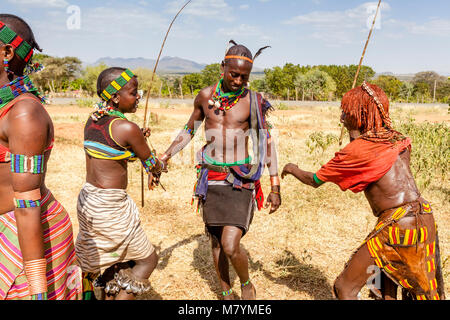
(362, 162)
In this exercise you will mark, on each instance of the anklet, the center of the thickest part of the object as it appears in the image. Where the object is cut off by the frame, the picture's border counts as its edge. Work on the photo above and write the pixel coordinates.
(227, 293)
(245, 284)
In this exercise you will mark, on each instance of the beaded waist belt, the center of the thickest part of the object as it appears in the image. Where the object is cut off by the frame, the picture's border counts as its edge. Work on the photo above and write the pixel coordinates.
(215, 168)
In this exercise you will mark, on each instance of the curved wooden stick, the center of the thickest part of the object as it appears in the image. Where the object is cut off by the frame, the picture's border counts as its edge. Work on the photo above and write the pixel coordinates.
(341, 138)
(150, 90)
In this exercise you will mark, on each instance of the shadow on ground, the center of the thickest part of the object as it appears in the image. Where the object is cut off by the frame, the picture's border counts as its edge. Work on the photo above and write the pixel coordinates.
(288, 270)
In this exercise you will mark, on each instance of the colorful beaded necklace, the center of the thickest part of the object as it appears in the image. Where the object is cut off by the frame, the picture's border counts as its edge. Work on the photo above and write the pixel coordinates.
(224, 101)
(15, 88)
(101, 109)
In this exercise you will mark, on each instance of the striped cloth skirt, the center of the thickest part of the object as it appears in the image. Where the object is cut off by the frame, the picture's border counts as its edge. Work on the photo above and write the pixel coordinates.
(110, 230)
(63, 274)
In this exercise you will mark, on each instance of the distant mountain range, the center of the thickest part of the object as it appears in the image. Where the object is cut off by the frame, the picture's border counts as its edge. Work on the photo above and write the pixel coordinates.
(404, 77)
(166, 64)
(176, 65)
(171, 65)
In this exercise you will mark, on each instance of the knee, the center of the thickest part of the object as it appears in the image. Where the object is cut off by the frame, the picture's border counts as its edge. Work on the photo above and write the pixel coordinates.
(344, 291)
(230, 249)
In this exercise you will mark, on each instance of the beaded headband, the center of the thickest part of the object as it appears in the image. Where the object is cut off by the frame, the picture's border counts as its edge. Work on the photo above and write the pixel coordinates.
(117, 84)
(22, 48)
(239, 57)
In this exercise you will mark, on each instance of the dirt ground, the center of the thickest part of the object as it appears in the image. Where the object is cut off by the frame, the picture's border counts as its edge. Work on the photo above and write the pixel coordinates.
(295, 254)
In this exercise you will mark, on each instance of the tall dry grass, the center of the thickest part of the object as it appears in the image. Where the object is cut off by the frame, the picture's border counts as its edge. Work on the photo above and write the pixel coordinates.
(295, 253)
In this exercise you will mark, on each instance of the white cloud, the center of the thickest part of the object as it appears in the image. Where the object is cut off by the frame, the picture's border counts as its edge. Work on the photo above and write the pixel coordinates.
(212, 9)
(113, 22)
(244, 6)
(336, 27)
(342, 19)
(435, 27)
(243, 30)
(41, 3)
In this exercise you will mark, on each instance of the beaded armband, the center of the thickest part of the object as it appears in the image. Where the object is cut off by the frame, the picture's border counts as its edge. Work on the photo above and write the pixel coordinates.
(24, 204)
(25, 164)
(188, 130)
(150, 163)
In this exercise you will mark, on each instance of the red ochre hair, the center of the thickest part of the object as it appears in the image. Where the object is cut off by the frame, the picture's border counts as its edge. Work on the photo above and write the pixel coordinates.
(362, 110)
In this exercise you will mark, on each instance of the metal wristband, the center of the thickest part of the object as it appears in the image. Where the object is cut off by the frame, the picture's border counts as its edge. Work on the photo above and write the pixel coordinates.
(35, 271)
(275, 181)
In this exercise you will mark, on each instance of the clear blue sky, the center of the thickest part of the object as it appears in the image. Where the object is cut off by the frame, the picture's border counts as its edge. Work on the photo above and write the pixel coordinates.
(412, 35)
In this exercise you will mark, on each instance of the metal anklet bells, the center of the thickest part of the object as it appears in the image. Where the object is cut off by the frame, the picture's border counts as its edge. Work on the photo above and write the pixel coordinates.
(126, 280)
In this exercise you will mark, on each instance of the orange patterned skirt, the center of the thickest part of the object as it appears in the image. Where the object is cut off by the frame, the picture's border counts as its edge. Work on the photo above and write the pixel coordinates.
(404, 245)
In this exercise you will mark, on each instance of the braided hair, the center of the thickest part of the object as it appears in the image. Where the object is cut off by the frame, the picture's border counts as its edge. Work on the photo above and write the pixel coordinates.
(367, 108)
(242, 51)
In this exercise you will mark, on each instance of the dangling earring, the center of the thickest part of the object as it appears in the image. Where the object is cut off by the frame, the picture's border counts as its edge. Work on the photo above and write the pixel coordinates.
(6, 65)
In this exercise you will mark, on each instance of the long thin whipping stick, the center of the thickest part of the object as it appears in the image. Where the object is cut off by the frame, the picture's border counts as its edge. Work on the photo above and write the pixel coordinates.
(150, 90)
(341, 138)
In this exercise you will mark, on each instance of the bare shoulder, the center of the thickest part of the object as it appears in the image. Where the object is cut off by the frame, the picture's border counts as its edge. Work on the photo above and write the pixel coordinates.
(204, 95)
(27, 107)
(126, 127)
(29, 112)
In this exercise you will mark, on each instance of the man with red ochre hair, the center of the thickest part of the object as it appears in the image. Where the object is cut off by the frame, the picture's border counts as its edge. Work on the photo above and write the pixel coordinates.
(404, 243)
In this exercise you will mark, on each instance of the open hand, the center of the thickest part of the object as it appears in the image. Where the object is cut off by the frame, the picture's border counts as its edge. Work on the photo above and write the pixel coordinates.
(288, 169)
(274, 201)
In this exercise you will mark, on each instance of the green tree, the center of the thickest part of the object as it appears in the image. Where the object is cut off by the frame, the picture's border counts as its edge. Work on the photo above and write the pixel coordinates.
(211, 74)
(192, 82)
(144, 77)
(317, 84)
(390, 85)
(58, 72)
(89, 77)
(406, 91)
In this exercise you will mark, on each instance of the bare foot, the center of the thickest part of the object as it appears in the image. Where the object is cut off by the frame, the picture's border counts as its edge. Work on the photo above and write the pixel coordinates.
(249, 292)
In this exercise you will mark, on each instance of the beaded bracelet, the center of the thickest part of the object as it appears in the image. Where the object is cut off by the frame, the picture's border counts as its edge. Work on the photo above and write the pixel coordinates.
(190, 131)
(19, 164)
(35, 271)
(150, 163)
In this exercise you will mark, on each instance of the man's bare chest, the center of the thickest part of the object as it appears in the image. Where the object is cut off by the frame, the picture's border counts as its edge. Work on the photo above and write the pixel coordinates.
(238, 117)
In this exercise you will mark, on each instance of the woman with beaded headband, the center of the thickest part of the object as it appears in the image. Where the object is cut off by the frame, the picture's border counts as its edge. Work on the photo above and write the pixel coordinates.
(228, 187)
(37, 259)
(404, 243)
(112, 247)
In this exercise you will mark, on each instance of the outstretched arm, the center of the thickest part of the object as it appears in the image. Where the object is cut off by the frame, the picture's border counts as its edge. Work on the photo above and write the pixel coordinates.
(305, 177)
(28, 134)
(185, 136)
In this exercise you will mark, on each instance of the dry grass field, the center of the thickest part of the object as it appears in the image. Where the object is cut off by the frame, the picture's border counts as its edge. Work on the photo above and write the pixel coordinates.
(295, 254)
